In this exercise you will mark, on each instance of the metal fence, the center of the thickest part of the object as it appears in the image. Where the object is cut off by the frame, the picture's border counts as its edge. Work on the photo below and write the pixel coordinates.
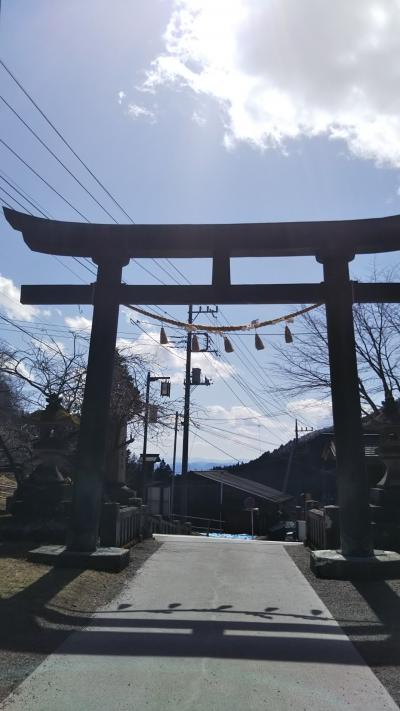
(201, 524)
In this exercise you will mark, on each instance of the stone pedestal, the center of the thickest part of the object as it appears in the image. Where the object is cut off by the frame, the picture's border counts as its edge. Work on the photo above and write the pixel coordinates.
(112, 560)
(334, 565)
(385, 496)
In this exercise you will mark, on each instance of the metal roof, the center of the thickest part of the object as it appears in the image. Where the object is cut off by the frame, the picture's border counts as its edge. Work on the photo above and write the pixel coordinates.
(247, 485)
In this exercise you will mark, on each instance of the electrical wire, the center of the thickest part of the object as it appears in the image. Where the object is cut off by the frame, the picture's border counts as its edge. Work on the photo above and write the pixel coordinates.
(70, 148)
(24, 330)
(222, 429)
(233, 439)
(91, 173)
(12, 198)
(237, 397)
(46, 182)
(62, 138)
(214, 446)
(37, 204)
(19, 192)
(244, 354)
(7, 204)
(49, 150)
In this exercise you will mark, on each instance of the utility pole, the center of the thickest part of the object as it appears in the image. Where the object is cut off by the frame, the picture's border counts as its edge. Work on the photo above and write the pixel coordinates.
(174, 464)
(297, 429)
(186, 407)
(186, 417)
(145, 429)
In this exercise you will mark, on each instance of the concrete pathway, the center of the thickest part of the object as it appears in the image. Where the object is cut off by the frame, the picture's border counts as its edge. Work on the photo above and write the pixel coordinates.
(208, 625)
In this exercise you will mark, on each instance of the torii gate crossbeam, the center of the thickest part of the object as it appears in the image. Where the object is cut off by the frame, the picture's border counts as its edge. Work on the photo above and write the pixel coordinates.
(334, 244)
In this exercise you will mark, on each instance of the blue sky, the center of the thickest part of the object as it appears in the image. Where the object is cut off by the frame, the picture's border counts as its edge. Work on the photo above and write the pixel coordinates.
(200, 111)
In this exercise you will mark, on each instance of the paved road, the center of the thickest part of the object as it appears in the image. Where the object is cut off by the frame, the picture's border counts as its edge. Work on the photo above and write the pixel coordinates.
(208, 625)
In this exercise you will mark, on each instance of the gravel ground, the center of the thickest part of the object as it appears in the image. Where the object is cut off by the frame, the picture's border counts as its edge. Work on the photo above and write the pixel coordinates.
(40, 606)
(368, 612)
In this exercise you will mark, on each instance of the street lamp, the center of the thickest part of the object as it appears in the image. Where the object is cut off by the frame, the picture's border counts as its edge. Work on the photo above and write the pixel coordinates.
(165, 391)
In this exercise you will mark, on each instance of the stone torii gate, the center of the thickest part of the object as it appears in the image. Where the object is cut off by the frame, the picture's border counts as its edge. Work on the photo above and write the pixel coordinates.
(333, 243)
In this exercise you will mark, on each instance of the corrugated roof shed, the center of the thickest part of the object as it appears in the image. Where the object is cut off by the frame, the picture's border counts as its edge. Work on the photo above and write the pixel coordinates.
(247, 485)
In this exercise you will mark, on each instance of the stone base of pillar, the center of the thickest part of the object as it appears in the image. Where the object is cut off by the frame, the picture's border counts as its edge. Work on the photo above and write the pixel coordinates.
(332, 564)
(112, 560)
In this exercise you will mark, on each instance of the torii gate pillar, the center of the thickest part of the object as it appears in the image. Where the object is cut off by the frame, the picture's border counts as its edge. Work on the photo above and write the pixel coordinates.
(352, 480)
(89, 477)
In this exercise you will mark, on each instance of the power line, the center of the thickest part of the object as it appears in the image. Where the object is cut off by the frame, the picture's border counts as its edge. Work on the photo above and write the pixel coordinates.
(242, 348)
(259, 449)
(12, 198)
(159, 344)
(7, 204)
(13, 187)
(63, 139)
(222, 429)
(245, 387)
(27, 165)
(31, 335)
(253, 396)
(56, 157)
(26, 194)
(19, 192)
(215, 447)
(91, 173)
(237, 397)
(66, 143)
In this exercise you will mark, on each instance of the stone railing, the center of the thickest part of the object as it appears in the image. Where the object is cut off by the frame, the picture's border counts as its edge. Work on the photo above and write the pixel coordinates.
(125, 525)
(323, 528)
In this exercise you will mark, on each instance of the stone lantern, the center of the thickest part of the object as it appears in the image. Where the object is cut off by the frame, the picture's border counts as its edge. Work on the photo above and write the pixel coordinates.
(46, 490)
(385, 495)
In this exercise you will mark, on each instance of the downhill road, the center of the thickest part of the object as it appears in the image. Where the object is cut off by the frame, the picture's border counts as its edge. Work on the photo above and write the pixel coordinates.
(208, 625)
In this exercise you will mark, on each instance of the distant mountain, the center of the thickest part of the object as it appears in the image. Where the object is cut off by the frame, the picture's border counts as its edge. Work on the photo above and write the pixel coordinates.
(202, 464)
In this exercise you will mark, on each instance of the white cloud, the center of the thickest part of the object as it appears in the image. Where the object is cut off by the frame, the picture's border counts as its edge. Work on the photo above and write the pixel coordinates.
(249, 423)
(198, 118)
(9, 302)
(18, 366)
(234, 413)
(172, 359)
(51, 347)
(78, 323)
(212, 367)
(283, 69)
(137, 112)
(147, 345)
(318, 411)
(121, 96)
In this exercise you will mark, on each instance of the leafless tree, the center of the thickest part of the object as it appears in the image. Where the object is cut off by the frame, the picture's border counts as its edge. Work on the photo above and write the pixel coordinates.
(304, 365)
(40, 369)
(45, 368)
